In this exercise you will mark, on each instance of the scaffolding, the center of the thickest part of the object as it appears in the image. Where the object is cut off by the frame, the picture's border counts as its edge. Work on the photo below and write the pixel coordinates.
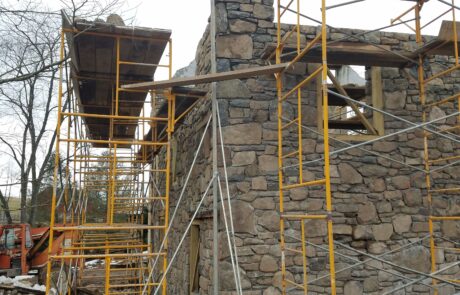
(116, 133)
(446, 43)
(296, 94)
(112, 185)
(292, 160)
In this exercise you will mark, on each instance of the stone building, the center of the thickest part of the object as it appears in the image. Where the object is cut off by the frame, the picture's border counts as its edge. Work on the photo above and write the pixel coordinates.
(379, 203)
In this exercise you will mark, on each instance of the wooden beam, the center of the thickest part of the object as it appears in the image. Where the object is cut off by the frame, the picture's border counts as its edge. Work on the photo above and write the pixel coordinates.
(360, 115)
(446, 32)
(377, 99)
(347, 53)
(354, 137)
(208, 78)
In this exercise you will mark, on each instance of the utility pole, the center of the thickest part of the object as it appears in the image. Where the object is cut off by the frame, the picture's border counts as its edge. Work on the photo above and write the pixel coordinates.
(215, 231)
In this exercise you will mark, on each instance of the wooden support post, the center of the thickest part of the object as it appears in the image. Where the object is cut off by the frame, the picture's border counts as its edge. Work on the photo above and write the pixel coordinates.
(377, 99)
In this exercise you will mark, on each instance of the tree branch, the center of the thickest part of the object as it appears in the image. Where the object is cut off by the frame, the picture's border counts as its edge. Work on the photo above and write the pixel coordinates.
(6, 208)
(30, 75)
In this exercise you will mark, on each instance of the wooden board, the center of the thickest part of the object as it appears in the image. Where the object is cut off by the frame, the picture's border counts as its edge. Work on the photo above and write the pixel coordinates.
(347, 53)
(446, 32)
(208, 78)
(93, 57)
(444, 43)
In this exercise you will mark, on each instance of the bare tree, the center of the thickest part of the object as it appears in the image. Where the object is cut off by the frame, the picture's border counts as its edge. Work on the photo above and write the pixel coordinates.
(5, 193)
(29, 75)
(6, 207)
(83, 9)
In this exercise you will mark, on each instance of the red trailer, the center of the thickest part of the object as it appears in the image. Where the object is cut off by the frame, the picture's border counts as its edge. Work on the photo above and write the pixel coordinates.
(23, 248)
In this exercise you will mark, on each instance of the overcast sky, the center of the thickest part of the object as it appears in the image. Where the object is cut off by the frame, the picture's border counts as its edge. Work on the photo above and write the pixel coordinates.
(186, 18)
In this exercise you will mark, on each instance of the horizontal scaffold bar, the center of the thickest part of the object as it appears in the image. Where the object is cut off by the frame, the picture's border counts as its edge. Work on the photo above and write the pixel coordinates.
(103, 241)
(445, 190)
(134, 285)
(303, 184)
(120, 246)
(444, 159)
(301, 216)
(105, 255)
(120, 142)
(106, 227)
(436, 218)
(87, 115)
(125, 292)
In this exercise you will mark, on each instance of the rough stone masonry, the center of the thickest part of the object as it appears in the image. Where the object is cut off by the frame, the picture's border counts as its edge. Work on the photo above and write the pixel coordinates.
(378, 204)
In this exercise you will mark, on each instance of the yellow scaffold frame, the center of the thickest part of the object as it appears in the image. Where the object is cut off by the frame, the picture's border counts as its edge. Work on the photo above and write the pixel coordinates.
(110, 239)
(320, 73)
(427, 107)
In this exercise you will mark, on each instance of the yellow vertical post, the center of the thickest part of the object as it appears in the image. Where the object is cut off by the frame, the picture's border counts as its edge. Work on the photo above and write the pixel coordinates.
(171, 111)
(171, 103)
(304, 257)
(117, 81)
(153, 178)
(327, 172)
(455, 32)
(107, 274)
(56, 166)
(109, 188)
(279, 85)
(432, 252)
(299, 103)
(109, 178)
(114, 183)
(74, 179)
(67, 173)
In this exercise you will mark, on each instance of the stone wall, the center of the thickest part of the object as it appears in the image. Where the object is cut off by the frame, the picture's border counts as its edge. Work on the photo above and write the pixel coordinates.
(378, 204)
